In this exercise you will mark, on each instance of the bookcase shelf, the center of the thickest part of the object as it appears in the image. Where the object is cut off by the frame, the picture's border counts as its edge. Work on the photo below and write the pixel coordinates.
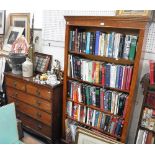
(143, 128)
(96, 108)
(103, 59)
(98, 85)
(103, 132)
(75, 36)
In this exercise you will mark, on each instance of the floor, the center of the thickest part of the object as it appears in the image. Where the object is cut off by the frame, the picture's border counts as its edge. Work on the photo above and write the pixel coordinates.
(29, 139)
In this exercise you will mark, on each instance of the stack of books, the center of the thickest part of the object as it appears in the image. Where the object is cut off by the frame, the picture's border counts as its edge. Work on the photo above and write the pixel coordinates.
(107, 123)
(107, 100)
(106, 74)
(113, 45)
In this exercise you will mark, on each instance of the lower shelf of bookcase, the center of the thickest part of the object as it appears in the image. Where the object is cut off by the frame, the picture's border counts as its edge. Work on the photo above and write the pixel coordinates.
(99, 130)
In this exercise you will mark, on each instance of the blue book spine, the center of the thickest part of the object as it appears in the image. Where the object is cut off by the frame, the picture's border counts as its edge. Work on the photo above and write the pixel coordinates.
(118, 128)
(96, 118)
(97, 42)
(120, 77)
(107, 75)
(106, 101)
(110, 45)
(117, 77)
(88, 43)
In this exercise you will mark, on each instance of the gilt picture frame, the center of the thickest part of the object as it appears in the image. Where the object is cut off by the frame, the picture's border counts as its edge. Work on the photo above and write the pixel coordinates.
(21, 20)
(2, 21)
(85, 136)
(145, 13)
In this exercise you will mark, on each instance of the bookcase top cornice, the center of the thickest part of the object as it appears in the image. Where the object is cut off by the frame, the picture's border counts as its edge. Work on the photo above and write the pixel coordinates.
(136, 22)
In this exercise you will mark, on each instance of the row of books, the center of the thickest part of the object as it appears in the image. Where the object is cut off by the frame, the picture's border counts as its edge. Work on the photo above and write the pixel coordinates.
(114, 45)
(95, 118)
(145, 137)
(152, 71)
(109, 75)
(106, 100)
(148, 119)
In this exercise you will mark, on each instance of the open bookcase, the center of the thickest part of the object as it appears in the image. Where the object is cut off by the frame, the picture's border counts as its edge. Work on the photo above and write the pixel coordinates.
(102, 62)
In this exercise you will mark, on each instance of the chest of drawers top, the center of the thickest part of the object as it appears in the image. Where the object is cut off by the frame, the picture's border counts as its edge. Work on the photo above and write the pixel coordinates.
(28, 86)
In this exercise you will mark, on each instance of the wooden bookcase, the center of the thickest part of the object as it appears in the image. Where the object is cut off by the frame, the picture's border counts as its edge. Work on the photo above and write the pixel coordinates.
(148, 102)
(127, 25)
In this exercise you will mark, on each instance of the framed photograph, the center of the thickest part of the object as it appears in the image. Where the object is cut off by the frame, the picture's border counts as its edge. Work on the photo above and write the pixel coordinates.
(85, 136)
(2, 21)
(37, 40)
(11, 36)
(147, 13)
(21, 20)
(42, 62)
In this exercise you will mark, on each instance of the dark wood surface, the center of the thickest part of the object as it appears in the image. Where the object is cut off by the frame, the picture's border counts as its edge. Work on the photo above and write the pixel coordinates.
(126, 25)
(38, 106)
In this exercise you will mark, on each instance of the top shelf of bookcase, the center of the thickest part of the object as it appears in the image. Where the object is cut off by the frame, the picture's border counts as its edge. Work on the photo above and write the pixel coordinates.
(103, 58)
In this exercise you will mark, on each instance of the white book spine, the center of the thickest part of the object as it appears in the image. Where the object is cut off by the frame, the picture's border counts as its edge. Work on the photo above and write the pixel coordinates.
(113, 76)
(93, 119)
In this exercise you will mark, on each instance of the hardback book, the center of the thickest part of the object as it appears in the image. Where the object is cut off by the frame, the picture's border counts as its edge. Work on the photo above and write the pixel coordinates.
(110, 44)
(84, 42)
(116, 45)
(127, 46)
(133, 46)
(97, 42)
(152, 77)
(88, 43)
(69, 108)
(121, 45)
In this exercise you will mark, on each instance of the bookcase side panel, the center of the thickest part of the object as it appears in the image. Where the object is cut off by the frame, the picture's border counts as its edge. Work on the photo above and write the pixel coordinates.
(65, 79)
(133, 86)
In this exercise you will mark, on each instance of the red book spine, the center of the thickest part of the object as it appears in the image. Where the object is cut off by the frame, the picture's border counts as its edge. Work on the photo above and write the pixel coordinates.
(151, 72)
(102, 99)
(103, 75)
(149, 138)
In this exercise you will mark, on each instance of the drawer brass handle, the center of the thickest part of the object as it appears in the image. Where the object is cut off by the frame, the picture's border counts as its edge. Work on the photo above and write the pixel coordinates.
(38, 114)
(37, 93)
(15, 94)
(39, 126)
(14, 84)
(38, 102)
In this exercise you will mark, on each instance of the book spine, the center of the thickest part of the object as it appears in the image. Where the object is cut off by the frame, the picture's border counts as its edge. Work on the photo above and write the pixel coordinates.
(133, 47)
(152, 81)
(88, 43)
(97, 42)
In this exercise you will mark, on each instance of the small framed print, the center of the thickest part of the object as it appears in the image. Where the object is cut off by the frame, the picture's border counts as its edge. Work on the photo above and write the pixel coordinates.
(2, 21)
(85, 136)
(42, 62)
(37, 40)
(12, 35)
(21, 20)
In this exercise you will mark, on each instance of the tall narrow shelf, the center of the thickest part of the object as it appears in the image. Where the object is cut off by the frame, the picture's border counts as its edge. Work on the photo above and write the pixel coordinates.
(125, 25)
(146, 129)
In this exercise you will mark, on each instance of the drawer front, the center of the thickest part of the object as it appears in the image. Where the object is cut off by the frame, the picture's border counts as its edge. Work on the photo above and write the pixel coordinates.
(34, 113)
(18, 84)
(34, 125)
(29, 99)
(39, 91)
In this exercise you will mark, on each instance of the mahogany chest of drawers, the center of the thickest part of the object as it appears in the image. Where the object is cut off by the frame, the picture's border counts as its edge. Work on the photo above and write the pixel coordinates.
(39, 107)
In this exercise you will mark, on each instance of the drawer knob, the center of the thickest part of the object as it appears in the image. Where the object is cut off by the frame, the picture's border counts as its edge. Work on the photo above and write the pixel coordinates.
(15, 94)
(39, 126)
(38, 102)
(15, 84)
(38, 114)
(37, 93)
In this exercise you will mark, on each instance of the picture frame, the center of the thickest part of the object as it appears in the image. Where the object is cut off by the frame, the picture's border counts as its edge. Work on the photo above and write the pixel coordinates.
(85, 136)
(42, 62)
(2, 21)
(21, 20)
(145, 13)
(37, 40)
(11, 36)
